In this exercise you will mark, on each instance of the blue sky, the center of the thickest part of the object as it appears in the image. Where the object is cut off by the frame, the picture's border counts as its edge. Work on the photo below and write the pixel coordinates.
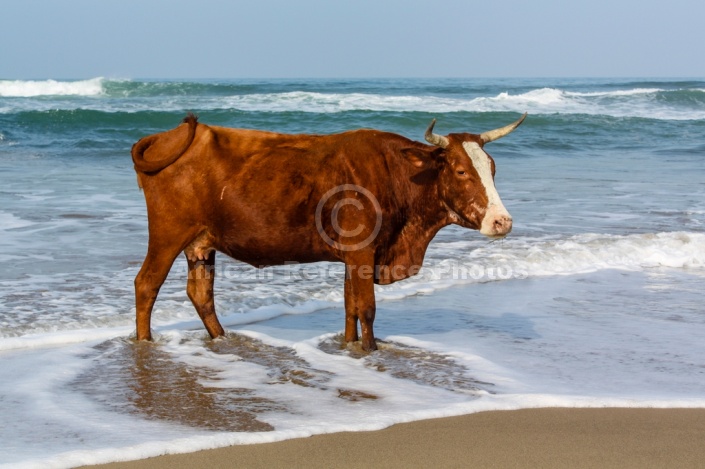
(355, 38)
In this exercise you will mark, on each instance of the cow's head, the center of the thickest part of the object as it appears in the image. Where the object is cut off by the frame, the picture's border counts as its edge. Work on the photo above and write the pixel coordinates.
(466, 180)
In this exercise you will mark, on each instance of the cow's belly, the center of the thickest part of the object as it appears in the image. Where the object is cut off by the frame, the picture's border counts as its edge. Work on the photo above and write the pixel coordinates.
(263, 244)
(259, 257)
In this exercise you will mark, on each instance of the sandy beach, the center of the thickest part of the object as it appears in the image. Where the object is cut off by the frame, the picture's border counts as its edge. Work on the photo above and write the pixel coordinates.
(553, 437)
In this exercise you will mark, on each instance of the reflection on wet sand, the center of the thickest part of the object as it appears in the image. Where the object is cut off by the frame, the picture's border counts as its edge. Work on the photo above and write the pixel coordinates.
(140, 378)
(282, 363)
(410, 363)
(144, 379)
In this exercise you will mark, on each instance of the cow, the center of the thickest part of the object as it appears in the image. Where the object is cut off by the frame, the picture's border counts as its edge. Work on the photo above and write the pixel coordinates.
(370, 199)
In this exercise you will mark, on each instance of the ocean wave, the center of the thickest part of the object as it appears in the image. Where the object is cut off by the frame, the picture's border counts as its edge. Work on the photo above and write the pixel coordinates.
(33, 89)
(467, 262)
(645, 103)
(589, 252)
(538, 101)
(307, 101)
(126, 96)
(631, 92)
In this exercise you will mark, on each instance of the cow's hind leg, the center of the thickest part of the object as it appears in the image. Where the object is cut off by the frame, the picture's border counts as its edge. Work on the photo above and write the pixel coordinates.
(201, 276)
(149, 280)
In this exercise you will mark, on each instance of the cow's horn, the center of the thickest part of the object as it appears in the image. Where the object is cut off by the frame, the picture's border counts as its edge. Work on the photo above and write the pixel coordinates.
(435, 139)
(495, 134)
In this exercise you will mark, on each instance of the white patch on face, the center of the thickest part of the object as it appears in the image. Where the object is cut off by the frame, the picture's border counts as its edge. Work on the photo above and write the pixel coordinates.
(483, 166)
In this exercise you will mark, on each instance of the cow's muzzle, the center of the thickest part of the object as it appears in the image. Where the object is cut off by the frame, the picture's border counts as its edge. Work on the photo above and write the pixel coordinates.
(496, 223)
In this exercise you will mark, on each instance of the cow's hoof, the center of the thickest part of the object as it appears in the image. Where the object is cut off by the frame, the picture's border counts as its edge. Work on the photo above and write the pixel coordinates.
(369, 345)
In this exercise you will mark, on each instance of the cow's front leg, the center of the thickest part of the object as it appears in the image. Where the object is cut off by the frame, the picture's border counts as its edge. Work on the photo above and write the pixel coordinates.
(360, 301)
(350, 316)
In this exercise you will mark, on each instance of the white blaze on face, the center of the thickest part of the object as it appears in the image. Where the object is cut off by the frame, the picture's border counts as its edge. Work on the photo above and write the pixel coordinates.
(497, 222)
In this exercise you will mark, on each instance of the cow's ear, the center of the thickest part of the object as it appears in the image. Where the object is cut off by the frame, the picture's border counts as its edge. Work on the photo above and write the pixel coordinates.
(419, 157)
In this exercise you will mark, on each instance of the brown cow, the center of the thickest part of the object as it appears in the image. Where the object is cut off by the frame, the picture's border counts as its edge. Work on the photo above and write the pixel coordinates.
(370, 199)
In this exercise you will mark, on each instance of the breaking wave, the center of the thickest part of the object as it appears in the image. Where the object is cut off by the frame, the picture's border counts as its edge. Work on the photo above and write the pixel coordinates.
(467, 262)
(671, 101)
(32, 89)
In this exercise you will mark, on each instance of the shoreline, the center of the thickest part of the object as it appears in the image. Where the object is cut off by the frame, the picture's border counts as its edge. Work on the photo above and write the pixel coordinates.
(546, 437)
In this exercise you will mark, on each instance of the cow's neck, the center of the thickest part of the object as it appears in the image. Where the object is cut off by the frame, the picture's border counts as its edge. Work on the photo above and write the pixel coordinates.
(425, 216)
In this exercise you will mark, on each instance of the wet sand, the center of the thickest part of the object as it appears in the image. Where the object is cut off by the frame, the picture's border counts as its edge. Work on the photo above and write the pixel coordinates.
(546, 438)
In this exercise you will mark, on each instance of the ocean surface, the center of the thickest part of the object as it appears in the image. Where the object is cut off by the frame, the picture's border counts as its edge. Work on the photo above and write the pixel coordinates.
(595, 299)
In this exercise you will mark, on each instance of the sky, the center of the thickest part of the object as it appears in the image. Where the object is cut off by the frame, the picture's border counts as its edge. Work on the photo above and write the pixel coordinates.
(76, 39)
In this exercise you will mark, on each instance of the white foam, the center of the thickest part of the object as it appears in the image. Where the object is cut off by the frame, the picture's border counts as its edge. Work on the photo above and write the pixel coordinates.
(9, 221)
(616, 93)
(336, 102)
(27, 89)
(591, 252)
(467, 262)
(61, 338)
(538, 101)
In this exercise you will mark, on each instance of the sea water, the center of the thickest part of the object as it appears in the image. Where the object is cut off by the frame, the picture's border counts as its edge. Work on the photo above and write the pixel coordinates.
(595, 299)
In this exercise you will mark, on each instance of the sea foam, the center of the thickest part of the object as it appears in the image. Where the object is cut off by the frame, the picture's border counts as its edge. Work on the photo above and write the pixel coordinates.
(639, 102)
(9, 221)
(28, 89)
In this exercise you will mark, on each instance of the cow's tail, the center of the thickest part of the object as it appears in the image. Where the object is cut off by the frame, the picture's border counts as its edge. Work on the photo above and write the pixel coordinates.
(138, 149)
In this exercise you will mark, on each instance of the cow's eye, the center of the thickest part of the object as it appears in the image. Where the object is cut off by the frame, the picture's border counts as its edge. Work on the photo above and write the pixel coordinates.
(461, 172)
